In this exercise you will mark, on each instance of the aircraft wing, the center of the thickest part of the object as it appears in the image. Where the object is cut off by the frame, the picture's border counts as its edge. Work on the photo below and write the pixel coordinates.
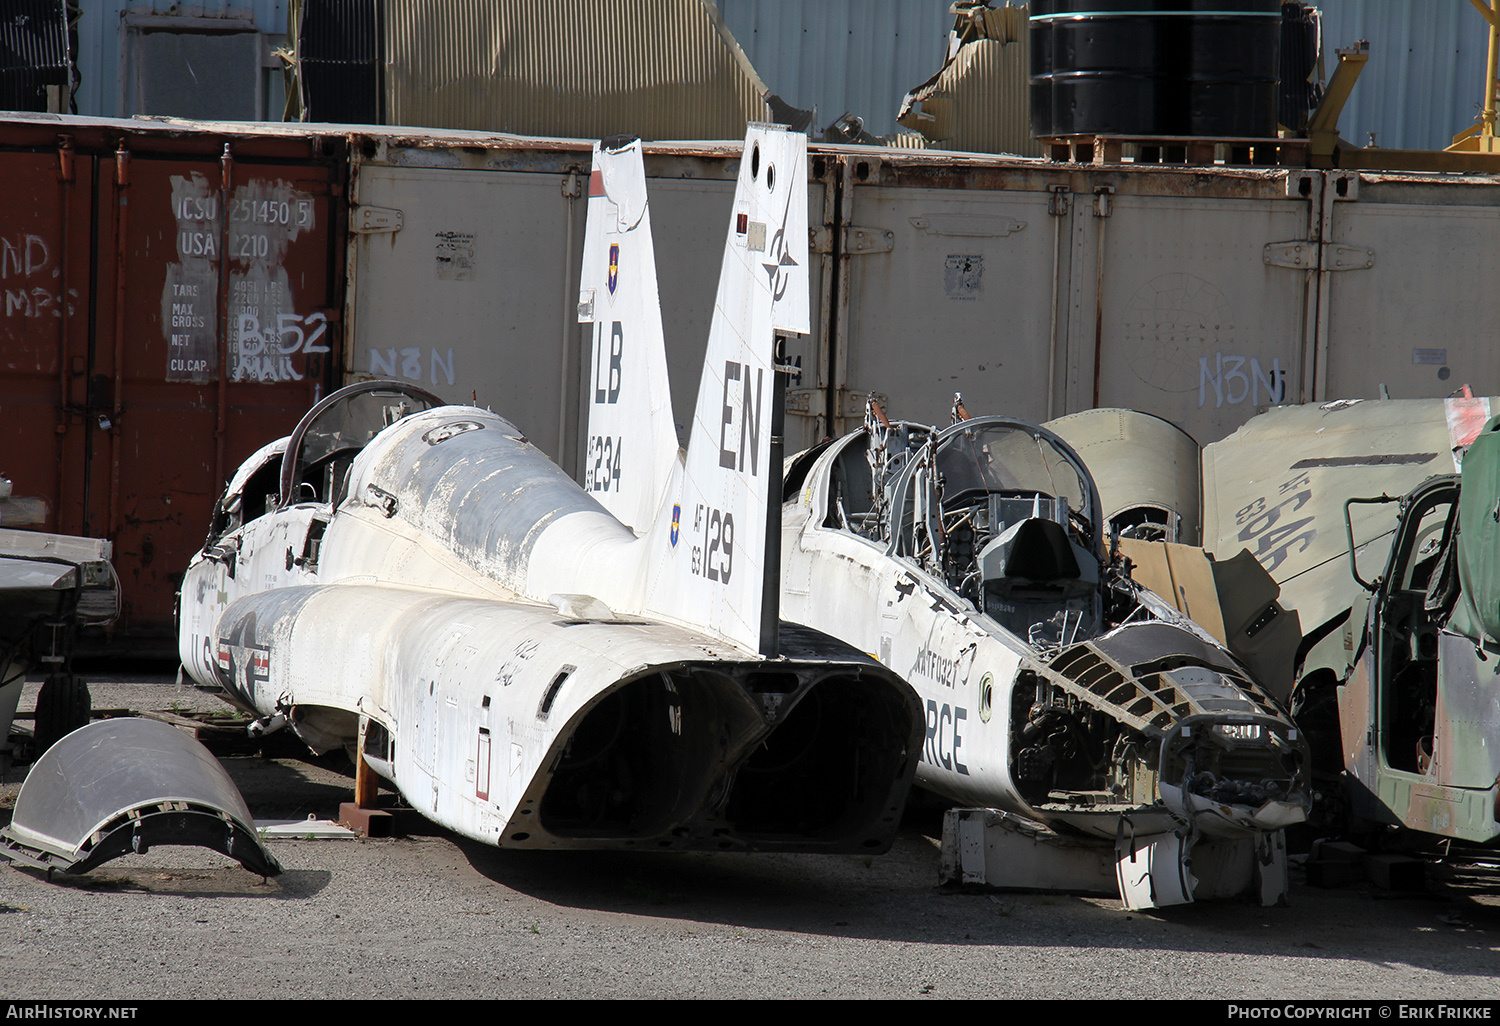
(35, 567)
(1277, 487)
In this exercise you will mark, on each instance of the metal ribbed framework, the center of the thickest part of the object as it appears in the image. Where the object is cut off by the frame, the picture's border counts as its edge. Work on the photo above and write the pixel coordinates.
(340, 60)
(587, 68)
(1148, 702)
(33, 52)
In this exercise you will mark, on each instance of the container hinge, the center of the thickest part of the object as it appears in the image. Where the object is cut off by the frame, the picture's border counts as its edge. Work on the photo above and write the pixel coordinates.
(852, 403)
(371, 220)
(1302, 255)
(857, 241)
(1102, 196)
(799, 401)
(1338, 257)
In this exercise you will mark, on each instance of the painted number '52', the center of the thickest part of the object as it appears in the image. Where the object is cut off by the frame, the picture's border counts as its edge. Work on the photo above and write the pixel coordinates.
(286, 338)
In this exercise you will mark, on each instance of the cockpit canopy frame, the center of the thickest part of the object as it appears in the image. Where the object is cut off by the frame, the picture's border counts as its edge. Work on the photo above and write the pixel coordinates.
(338, 427)
(1003, 455)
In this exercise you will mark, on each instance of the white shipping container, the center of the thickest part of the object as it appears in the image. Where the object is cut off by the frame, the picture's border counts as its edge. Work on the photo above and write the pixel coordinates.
(1036, 289)
(463, 270)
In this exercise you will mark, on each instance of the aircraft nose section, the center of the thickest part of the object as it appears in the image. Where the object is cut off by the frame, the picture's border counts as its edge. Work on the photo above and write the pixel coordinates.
(1152, 717)
(122, 786)
(1235, 773)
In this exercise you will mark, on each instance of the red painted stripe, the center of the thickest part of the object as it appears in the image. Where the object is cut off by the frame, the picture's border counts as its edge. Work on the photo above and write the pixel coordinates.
(1466, 418)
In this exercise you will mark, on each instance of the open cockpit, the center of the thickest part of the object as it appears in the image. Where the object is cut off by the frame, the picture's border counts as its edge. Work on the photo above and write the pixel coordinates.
(311, 465)
(1000, 510)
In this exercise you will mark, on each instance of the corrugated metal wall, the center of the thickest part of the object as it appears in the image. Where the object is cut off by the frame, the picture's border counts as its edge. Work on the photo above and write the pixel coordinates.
(843, 55)
(981, 100)
(1422, 85)
(1425, 78)
(583, 69)
(340, 61)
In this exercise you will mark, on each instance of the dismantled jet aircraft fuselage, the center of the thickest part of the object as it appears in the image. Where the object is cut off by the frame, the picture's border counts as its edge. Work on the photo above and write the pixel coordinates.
(421, 585)
(398, 615)
(971, 560)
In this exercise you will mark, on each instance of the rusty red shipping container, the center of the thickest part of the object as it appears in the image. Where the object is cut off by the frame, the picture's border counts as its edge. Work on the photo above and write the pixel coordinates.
(172, 300)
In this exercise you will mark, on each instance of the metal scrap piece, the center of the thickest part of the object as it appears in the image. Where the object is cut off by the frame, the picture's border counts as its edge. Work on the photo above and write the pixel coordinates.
(125, 785)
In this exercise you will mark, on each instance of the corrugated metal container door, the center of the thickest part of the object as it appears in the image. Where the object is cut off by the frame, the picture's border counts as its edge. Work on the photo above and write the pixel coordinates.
(224, 342)
(950, 271)
(460, 286)
(203, 328)
(44, 339)
(1408, 284)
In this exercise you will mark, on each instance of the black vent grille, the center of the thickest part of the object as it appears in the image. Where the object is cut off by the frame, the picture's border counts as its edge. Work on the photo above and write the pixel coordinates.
(339, 57)
(33, 52)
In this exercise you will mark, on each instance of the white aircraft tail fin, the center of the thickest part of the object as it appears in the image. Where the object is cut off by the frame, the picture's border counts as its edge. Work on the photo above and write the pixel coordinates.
(723, 565)
(632, 440)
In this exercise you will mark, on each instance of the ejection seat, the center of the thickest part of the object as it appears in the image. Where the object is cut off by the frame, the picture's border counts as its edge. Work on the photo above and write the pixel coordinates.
(1033, 575)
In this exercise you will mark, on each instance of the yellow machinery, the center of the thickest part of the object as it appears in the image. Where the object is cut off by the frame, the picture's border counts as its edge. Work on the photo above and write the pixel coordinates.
(1473, 149)
(1481, 137)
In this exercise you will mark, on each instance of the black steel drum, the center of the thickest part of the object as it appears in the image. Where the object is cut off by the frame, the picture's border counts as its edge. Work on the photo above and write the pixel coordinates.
(1203, 68)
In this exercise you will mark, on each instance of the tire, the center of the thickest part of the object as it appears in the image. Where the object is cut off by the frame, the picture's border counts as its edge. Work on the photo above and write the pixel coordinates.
(62, 706)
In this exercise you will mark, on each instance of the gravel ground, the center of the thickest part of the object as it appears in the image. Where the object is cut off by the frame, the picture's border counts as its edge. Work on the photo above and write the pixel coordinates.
(430, 915)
